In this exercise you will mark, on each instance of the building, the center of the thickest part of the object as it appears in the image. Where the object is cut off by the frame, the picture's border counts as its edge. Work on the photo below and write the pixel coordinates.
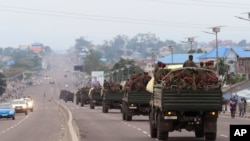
(238, 59)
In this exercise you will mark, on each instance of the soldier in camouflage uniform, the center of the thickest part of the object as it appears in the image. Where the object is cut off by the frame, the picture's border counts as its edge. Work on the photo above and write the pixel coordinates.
(189, 62)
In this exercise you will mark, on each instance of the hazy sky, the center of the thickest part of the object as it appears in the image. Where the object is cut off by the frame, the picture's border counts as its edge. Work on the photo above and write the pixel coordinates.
(57, 23)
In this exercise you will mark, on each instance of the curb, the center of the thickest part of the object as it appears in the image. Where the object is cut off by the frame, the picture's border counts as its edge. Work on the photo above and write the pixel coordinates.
(73, 130)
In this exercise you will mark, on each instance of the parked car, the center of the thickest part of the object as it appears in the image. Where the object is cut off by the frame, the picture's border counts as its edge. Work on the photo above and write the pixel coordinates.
(7, 111)
(20, 106)
(30, 103)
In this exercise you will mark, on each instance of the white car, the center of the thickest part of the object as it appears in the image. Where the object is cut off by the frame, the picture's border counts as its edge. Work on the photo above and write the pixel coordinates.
(30, 103)
(20, 106)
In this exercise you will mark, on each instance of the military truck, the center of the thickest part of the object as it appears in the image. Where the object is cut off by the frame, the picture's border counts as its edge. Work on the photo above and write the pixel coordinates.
(111, 100)
(82, 96)
(112, 94)
(186, 98)
(136, 98)
(66, 95)
(95, 97)
(135, 103)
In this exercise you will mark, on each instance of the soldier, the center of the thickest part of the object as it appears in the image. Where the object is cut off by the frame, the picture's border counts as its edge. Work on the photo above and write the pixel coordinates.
(189, 62)
(106, 84)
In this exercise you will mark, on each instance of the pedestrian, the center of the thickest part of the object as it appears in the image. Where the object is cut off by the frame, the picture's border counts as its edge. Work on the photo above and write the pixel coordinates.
(232, 107)
(245, 106)
(241, 108)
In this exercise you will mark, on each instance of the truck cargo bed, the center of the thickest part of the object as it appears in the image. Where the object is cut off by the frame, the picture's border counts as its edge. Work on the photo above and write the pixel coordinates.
(141, 97)
(188, 100)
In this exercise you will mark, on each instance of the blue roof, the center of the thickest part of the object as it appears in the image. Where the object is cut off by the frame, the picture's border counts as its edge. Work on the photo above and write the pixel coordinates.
(223, 51)
(178, 58)
(37, 44)
(241, 52)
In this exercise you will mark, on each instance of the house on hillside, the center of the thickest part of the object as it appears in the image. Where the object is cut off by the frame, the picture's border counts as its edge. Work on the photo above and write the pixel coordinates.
(36, 47)
(238, 59)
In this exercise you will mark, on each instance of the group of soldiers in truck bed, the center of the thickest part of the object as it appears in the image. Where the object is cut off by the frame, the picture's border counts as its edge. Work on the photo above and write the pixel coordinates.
(189, 77)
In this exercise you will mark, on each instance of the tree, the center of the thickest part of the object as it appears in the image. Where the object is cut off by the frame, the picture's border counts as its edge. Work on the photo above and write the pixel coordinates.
(3, 83)
(242, 43)
(92, 62)
(81, 42)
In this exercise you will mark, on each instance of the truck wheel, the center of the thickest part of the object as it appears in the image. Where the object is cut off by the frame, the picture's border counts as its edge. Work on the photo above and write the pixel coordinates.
(91, 105)
(123, 116)
(161, 135)
(153, 129)
(210, 136)
(128, 118)
(26, 112)
(82, 104)
(106, 110)
(199, 133)
(31, 110)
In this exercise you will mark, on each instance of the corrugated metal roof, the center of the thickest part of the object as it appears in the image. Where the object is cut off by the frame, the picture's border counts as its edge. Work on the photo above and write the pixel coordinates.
(223, 51)
(241, 52)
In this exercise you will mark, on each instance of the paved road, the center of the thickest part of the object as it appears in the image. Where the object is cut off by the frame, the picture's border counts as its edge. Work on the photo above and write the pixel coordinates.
(45, 123)
(95, 125)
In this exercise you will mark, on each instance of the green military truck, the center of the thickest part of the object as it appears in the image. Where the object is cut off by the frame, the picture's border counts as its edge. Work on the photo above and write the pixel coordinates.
(82, 96)
(66, 95)
(186, 98)
(95, 97)
(135, 103)
(111, 100)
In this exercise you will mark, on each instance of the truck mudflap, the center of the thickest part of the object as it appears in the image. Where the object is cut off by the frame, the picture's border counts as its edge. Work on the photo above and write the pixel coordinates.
(166, 125)
(210, 125)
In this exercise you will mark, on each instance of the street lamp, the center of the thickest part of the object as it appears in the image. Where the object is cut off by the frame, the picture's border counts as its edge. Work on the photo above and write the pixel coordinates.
(191, 40)
(117, 75)
(112, 76)
(171, 48)
(128, 69)
(122, 73)
(216, 30)
(244, 18)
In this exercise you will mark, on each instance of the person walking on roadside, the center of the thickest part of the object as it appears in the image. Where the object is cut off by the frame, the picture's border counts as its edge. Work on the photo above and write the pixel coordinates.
(232, 107)
(241, 108)
(245, 106)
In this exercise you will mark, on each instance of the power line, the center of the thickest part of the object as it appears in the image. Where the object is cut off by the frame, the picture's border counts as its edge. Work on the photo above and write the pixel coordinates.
(82, 16)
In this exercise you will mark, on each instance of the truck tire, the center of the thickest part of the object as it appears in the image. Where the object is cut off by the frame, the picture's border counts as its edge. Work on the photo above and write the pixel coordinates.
(161, 135)
(26, 112)
(153, 129)
(91, 105)
(128, 118)
(82, 104)
(210, 136)
(105, 109)
(123, 116)
(199, 133)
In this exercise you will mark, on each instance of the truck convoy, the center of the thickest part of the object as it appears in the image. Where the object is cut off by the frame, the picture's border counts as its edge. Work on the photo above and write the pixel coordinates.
(186, 98)
(136, 99)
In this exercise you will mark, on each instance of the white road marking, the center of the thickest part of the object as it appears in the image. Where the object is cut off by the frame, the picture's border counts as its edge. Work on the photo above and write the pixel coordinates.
(224, 135)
